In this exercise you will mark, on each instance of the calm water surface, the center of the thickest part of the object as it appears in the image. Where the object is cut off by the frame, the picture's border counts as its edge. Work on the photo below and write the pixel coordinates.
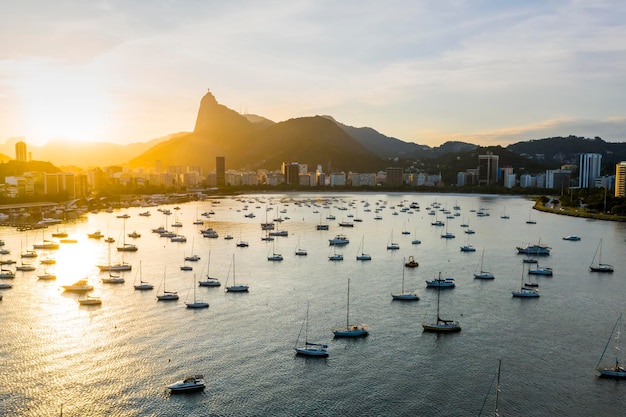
(117, 358)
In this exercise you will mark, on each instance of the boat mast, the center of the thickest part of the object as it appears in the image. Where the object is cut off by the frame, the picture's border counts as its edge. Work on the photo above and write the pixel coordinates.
(495, 407)
(348, 307)
(438, 293)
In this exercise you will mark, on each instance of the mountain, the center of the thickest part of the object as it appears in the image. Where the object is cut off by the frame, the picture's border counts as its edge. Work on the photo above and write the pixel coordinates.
(566, 150)
(260, 143)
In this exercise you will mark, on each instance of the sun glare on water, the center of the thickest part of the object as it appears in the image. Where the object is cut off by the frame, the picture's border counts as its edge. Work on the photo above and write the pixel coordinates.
(64, 105)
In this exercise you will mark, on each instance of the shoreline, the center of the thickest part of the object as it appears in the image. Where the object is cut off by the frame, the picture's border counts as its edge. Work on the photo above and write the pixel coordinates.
(578, 213)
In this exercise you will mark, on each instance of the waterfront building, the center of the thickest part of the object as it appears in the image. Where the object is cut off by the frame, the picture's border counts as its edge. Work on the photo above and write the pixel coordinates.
(488, 169)
(620, 179)
(589, 169)
(394, 176)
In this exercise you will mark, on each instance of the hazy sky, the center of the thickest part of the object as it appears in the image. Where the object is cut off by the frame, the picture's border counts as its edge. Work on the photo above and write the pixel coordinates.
(488, 72)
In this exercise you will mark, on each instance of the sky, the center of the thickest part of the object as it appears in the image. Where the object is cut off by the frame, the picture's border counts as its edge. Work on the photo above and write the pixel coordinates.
(424, 71)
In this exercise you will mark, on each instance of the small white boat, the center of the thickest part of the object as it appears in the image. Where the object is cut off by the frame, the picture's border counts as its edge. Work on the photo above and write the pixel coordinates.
(339, 240)
(209, 281)
(113, 279)
(188, 384)
(79, 286)
(572, 238)
(524, 291)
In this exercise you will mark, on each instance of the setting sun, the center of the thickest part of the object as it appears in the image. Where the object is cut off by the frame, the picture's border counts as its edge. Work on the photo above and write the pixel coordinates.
(64, 105)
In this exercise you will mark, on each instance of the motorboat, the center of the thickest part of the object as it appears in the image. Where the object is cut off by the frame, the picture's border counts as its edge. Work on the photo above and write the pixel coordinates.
(572, 238)
(447, 282)
(188, 384)
(339, 240)
(536, 250)
(79, 286)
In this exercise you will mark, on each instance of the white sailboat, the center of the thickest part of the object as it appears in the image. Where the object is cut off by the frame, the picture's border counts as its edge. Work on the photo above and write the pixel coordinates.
(143, 285)
(391, 245)
(362, 256)
(117, 267)
(483, 274)
(299, 251)
(599, 267)
(235, 287)
(167, 295)
(616, 370)
(193, 257)
(405, 295)
(351, 330)
(524, 291)
(274, 256)
(319, 350)
(441, 325)
(196, 303)
(126, 247)
(209, 281)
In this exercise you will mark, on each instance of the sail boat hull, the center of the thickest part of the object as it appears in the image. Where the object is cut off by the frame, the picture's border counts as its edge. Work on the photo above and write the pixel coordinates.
(356, 330)
(318, 351)
(613, 372)
(442, 327)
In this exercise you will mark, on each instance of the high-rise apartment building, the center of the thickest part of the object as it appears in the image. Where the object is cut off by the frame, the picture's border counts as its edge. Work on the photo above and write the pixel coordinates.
(20, 152)
(394, 176)
(589, 169)
(620, 179)
(488, 169)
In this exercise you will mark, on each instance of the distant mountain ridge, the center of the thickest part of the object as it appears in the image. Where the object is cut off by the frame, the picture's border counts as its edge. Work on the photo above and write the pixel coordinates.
(251, 141)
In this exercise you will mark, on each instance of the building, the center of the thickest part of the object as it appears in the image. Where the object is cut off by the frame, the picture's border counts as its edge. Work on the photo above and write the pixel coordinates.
(488, 169)
(220, 171)
(20, 152)
(338, 179)
(291, 171)
(394, 176)
(589, 169)
(558, 179)
(620, 179)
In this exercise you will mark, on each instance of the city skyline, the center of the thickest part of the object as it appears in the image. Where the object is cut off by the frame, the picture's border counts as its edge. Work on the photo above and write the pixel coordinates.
(423, 72)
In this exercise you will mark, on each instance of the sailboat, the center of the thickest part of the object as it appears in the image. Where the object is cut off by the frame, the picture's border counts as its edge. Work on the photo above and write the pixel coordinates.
(120, 266)
(334, 256)
(193, 257)
(235, 287)
(405, 296)
(351, 330)
(143, 285)
(504, 215)
(196, 303)
(299, 251)
(617, 370)
(209, 282)
(483, 274)
(530, 220)
(496, 379)
(274, 256)
(524, 291)
(441, 325)
(416, 241)
(126, 247)
(392, 245)
(447, 235)
(361, 256)
(599, 267)
(167, 295)
(319, 350)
